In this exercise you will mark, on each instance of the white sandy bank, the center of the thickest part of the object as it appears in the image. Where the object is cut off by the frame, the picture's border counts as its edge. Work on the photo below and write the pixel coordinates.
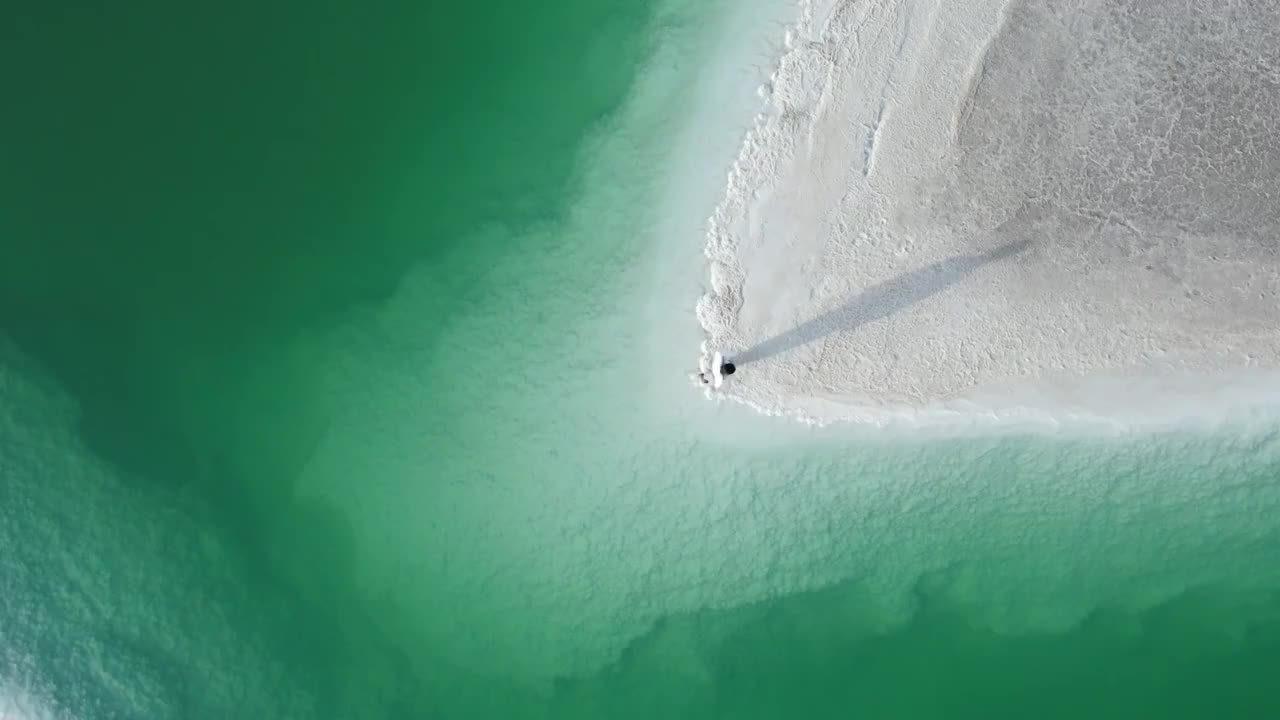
(985, 204)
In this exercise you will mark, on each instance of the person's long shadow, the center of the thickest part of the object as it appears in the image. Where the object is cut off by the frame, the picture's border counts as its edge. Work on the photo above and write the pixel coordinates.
(879, 301)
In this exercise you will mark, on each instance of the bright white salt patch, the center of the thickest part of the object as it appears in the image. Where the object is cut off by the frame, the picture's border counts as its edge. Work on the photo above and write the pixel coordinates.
(987, 207)
(18, 701)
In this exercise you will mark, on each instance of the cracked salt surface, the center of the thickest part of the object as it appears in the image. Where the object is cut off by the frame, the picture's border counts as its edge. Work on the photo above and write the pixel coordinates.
(1128, 151)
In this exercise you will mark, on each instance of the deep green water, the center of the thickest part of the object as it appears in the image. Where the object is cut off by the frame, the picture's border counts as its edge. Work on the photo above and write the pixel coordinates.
(254, 463)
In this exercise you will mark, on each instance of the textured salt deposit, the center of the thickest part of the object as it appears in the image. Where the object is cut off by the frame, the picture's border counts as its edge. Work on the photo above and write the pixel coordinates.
(992, 201)
(113, 602)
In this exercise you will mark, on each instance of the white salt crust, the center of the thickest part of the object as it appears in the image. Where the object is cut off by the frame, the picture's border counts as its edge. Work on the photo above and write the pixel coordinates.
(1007, 209)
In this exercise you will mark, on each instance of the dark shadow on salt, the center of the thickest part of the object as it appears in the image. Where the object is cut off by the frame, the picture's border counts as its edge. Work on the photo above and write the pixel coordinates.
(879, 301)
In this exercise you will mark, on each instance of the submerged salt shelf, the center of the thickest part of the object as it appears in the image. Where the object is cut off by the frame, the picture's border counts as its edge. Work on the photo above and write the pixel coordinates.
(1005, 205)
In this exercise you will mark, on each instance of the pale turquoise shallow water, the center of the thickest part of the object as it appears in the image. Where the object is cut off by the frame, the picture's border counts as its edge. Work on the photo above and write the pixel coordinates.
(337, 382)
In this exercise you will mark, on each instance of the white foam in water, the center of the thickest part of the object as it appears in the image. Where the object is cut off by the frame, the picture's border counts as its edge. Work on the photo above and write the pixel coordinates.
(998, 209)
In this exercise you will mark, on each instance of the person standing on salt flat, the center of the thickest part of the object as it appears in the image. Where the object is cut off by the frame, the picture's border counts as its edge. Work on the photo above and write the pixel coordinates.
(719, 368)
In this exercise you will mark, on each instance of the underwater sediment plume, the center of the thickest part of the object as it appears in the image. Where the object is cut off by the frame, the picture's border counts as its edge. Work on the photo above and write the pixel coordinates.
(1020, 203)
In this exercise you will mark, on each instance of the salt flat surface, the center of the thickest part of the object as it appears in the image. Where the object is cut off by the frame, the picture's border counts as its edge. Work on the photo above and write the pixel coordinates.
(1006, 203)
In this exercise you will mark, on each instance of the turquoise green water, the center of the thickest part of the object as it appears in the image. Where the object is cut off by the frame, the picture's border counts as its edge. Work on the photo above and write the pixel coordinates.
(331, 388)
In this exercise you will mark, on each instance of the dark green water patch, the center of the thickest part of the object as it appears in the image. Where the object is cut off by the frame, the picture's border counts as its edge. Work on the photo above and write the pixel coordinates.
(185, 186)
(185, 190)
(1209, 652)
